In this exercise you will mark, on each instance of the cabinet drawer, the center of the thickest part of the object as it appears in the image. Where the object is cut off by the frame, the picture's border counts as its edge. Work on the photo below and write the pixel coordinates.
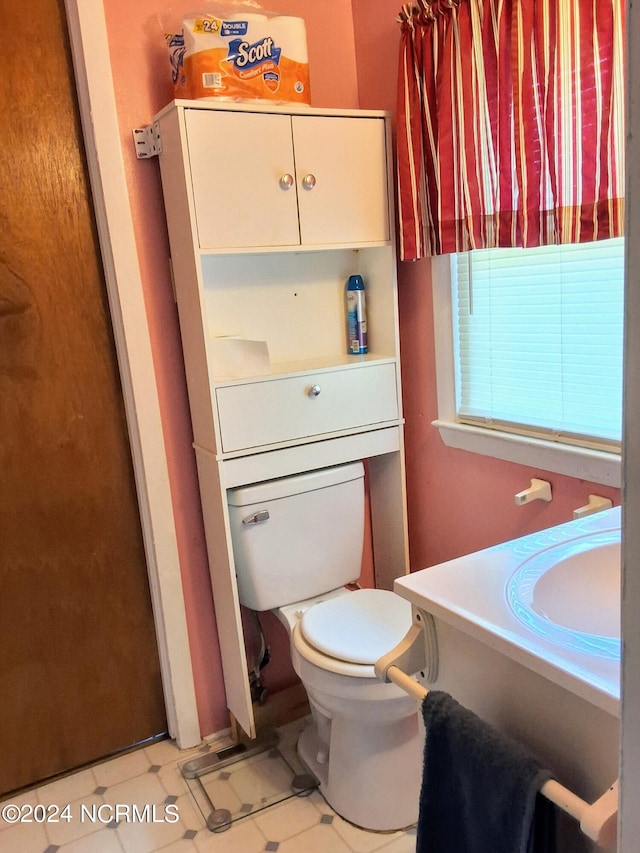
(278, 410)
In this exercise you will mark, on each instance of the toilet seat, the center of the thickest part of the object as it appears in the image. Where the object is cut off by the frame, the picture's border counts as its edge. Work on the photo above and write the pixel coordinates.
(329, 664)
(348, 634)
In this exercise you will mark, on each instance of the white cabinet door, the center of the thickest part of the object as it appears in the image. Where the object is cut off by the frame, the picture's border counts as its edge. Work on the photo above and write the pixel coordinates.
(237, 163)
(344, 159)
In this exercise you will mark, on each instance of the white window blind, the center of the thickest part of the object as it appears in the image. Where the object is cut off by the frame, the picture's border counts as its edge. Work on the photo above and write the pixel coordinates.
(539, 340)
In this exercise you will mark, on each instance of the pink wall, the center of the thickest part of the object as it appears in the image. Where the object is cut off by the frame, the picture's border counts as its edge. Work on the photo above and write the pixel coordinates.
(458, 502)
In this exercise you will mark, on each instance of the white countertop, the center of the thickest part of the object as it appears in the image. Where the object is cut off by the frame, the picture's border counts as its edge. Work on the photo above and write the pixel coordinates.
(470, 593)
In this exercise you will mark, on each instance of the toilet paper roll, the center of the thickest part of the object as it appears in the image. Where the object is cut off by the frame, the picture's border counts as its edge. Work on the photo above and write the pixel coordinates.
(233, 24)
(291, 33)
(247, 57)
(251, 17)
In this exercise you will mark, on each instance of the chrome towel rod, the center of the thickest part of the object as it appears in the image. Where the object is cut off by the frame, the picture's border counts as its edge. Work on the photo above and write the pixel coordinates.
(598, 820)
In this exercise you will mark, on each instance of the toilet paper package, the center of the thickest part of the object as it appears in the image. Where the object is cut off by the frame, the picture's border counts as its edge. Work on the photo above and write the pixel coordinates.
(240, 54)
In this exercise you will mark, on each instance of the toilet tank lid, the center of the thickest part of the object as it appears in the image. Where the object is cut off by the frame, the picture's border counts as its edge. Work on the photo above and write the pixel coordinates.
(360, 627)
(295, 484)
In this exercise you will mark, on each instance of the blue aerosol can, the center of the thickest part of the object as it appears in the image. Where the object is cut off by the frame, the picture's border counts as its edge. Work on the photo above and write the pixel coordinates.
(356, 316)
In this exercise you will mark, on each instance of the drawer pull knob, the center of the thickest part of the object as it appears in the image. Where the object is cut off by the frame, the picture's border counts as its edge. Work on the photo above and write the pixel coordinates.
(286, 182)
(314, 391)
(309, 182)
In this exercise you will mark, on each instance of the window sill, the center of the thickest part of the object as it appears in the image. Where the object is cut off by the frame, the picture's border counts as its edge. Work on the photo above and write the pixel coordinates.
(596, 466)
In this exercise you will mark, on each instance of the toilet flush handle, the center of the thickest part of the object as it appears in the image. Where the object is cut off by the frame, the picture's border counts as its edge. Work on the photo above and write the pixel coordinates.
(257, 518)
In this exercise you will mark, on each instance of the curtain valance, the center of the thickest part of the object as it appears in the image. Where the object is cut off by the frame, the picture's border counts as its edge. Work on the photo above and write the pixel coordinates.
(510, 124)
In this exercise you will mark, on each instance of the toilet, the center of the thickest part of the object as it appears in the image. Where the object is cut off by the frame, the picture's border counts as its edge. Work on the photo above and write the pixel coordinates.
(297, 541)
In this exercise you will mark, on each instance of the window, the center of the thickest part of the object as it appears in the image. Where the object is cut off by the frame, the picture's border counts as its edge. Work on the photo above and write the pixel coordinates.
(529, 347)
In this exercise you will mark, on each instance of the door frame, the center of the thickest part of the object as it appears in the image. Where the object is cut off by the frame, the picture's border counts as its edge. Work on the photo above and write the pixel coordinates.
(98, 113)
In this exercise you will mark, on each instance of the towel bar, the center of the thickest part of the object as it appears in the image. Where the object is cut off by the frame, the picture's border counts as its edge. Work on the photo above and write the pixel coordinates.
(598, 820)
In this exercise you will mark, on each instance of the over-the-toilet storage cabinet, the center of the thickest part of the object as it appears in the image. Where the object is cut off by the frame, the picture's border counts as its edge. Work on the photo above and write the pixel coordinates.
(270, 209)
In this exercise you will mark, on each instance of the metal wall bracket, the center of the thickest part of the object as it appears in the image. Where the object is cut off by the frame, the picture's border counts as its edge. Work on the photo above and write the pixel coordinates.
(147, 141)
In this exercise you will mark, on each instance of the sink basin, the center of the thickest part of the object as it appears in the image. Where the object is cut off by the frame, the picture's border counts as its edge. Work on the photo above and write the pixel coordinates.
(570, 593)
(582, 591)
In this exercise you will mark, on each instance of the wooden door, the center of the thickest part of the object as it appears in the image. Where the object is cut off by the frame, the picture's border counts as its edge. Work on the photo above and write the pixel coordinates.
(79, 670)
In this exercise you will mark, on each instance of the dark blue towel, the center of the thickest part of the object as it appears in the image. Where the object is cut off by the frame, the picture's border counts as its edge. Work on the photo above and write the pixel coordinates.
(480, 790)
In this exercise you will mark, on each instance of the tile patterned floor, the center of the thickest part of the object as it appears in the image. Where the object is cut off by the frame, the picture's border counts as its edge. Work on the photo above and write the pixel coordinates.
(171, 813)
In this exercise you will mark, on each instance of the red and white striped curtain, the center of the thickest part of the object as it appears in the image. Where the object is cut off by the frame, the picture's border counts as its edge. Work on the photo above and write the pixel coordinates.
(510, 127)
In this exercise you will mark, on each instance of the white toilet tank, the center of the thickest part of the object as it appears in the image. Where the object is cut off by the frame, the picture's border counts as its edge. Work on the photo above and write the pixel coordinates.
(299, 536)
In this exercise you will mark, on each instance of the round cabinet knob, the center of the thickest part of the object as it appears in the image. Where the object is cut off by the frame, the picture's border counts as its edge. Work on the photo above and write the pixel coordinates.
(286, 182)
(309, 182)
(314, 391)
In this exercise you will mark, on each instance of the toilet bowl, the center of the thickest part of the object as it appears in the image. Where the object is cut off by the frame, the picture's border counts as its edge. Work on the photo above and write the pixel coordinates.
(364, 742)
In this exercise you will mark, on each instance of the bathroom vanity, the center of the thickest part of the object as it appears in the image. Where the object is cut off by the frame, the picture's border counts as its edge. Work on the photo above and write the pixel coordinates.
(270, 210)
(527, 635)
